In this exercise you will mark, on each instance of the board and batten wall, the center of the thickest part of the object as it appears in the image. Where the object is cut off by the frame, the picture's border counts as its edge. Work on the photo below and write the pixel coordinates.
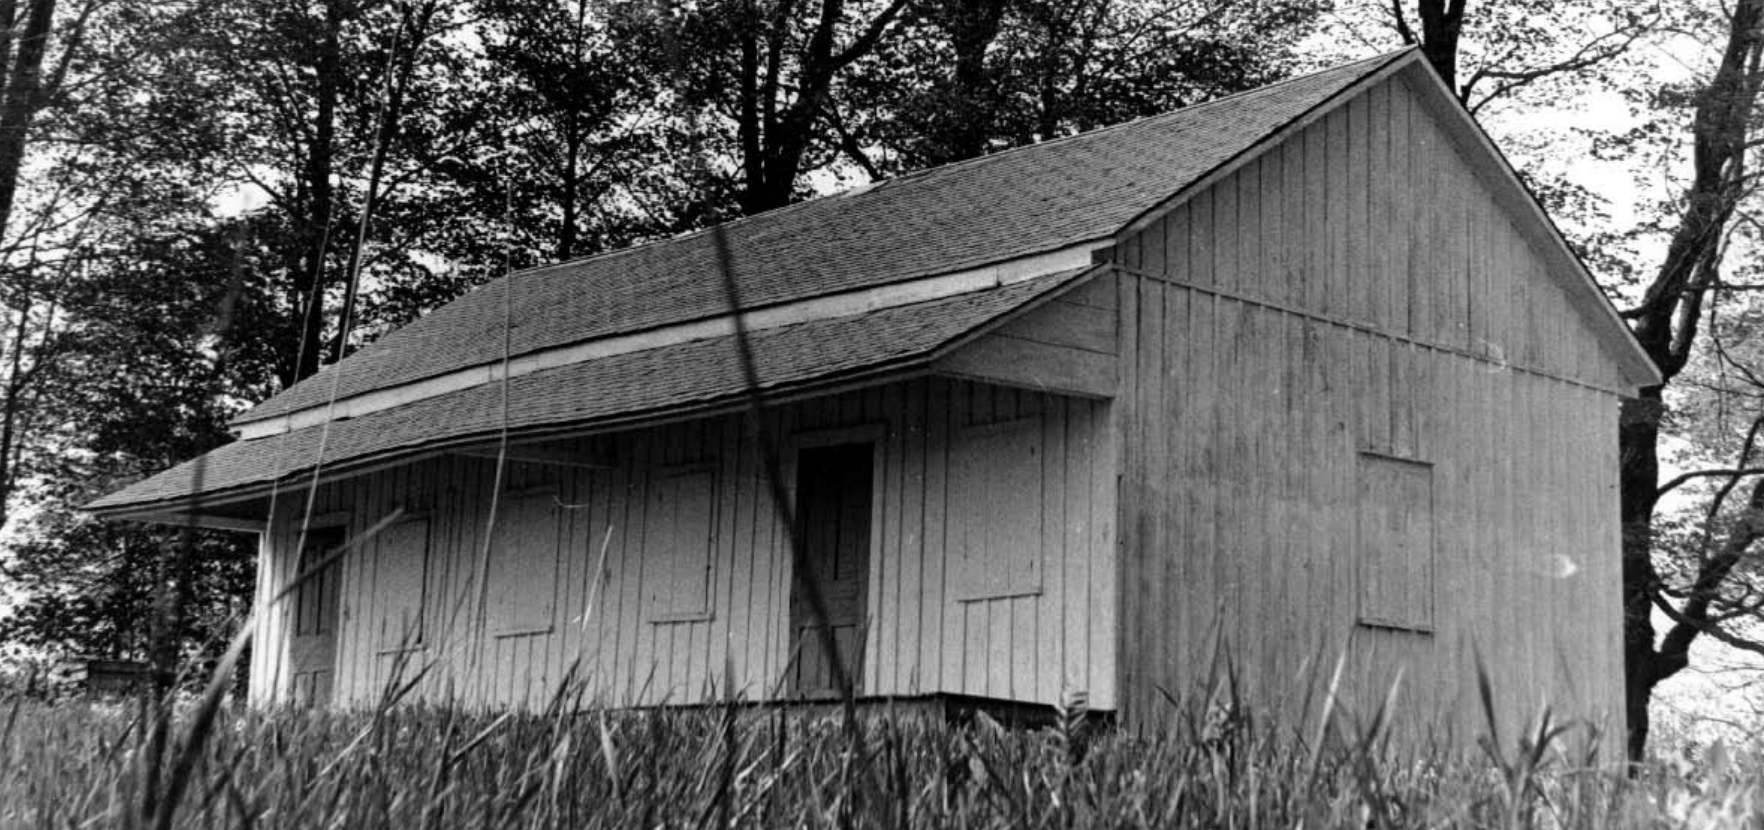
(1361, 418)
(589, 580)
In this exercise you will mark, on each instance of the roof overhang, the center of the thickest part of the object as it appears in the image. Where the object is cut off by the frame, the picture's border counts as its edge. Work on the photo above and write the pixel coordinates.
(166, 514)
(233, 476)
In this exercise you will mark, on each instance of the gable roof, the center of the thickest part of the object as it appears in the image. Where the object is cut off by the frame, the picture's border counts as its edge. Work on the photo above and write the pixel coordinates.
(1007, 205)
(899, 274)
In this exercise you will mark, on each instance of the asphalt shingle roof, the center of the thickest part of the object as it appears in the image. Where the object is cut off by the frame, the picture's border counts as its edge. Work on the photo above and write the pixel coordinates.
(670, 378)
(990, 209)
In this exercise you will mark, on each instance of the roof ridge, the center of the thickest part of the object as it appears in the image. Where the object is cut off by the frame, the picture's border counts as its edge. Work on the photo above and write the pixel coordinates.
(870, 187)
(801, 229)
(1135, 121)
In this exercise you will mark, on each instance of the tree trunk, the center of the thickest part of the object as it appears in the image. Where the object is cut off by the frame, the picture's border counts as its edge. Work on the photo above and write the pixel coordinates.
(574, 135)
(1442, 24)
(399, 68)
(566, 189)
(1638, 477)
(972, 26)
(22, 100)
(9, 418)
(315, 237)
(775, 136)
(749, 131)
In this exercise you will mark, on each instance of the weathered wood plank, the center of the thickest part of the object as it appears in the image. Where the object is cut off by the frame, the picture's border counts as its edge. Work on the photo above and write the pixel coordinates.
(1401, 204)
(1251, 230)
(1227, 225)
(1359, 271)
(1202, 262)
(1095, 292)
(1180, 430)
(1060, 323)
(1376, 235)
(1294, 250)
(1029, 364)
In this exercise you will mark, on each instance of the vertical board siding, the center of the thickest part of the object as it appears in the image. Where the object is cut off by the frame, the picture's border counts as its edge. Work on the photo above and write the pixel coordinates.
(1391, 308)
(923, 636)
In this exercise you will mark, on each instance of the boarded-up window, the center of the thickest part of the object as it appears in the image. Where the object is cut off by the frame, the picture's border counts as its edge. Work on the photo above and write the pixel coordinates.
(996, 509)
(678, 537)
(401, 567)
(523, 564)
(1396, 543)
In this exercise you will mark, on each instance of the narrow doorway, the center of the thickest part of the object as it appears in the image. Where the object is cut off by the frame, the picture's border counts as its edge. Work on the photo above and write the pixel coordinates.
(312, 648)
(833, 517)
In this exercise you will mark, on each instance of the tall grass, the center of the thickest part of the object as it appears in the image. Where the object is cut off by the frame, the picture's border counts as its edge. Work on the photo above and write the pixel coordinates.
(83, 765)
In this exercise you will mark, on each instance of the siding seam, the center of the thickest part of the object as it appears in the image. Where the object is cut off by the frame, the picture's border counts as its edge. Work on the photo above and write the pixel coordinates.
(1365, 328)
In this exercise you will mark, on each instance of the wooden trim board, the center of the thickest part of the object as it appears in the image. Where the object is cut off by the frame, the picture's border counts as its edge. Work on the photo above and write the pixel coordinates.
(816, 308)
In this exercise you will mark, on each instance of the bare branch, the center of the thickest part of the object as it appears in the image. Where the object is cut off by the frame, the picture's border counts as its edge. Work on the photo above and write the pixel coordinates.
(1402, 23)
(1707, 627)
(872, 34)
(1681, 480)
(1590, 54)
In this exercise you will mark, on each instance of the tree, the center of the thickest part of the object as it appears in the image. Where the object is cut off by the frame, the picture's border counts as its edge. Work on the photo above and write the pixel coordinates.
(1667, 322)
(755, 78)
(148, 377)
(113, 271)
(314, 98)
(24, 89)
(1512, 45)
(209, 101)
(566, 87)
(965, 78)
(34, 79)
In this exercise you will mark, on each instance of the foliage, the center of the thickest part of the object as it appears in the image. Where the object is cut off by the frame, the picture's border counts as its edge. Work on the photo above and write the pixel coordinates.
(87, 585)
(953, 85)
(150, 364)
(1516, 53)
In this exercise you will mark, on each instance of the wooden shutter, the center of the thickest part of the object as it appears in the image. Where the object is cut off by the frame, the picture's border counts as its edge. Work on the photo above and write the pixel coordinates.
(997, 509)
(401, 567)
(1396, 543)
(523, 565)
(679, 535)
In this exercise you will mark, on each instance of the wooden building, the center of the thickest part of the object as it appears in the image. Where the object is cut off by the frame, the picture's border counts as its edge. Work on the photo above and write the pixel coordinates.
(1304, 372)
(100, 678)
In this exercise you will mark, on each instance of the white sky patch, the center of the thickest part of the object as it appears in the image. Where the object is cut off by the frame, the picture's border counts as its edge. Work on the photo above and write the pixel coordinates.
(239, 198)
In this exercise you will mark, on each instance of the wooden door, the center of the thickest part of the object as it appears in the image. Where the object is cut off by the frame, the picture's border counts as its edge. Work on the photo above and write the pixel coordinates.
(312, 650)
(833, 518)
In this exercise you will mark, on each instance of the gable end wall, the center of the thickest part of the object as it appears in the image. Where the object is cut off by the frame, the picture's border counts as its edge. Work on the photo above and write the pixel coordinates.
(1356, 292)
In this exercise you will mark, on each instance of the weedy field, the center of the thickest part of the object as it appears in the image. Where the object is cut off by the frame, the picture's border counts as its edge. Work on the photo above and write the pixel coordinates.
(79, 765)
